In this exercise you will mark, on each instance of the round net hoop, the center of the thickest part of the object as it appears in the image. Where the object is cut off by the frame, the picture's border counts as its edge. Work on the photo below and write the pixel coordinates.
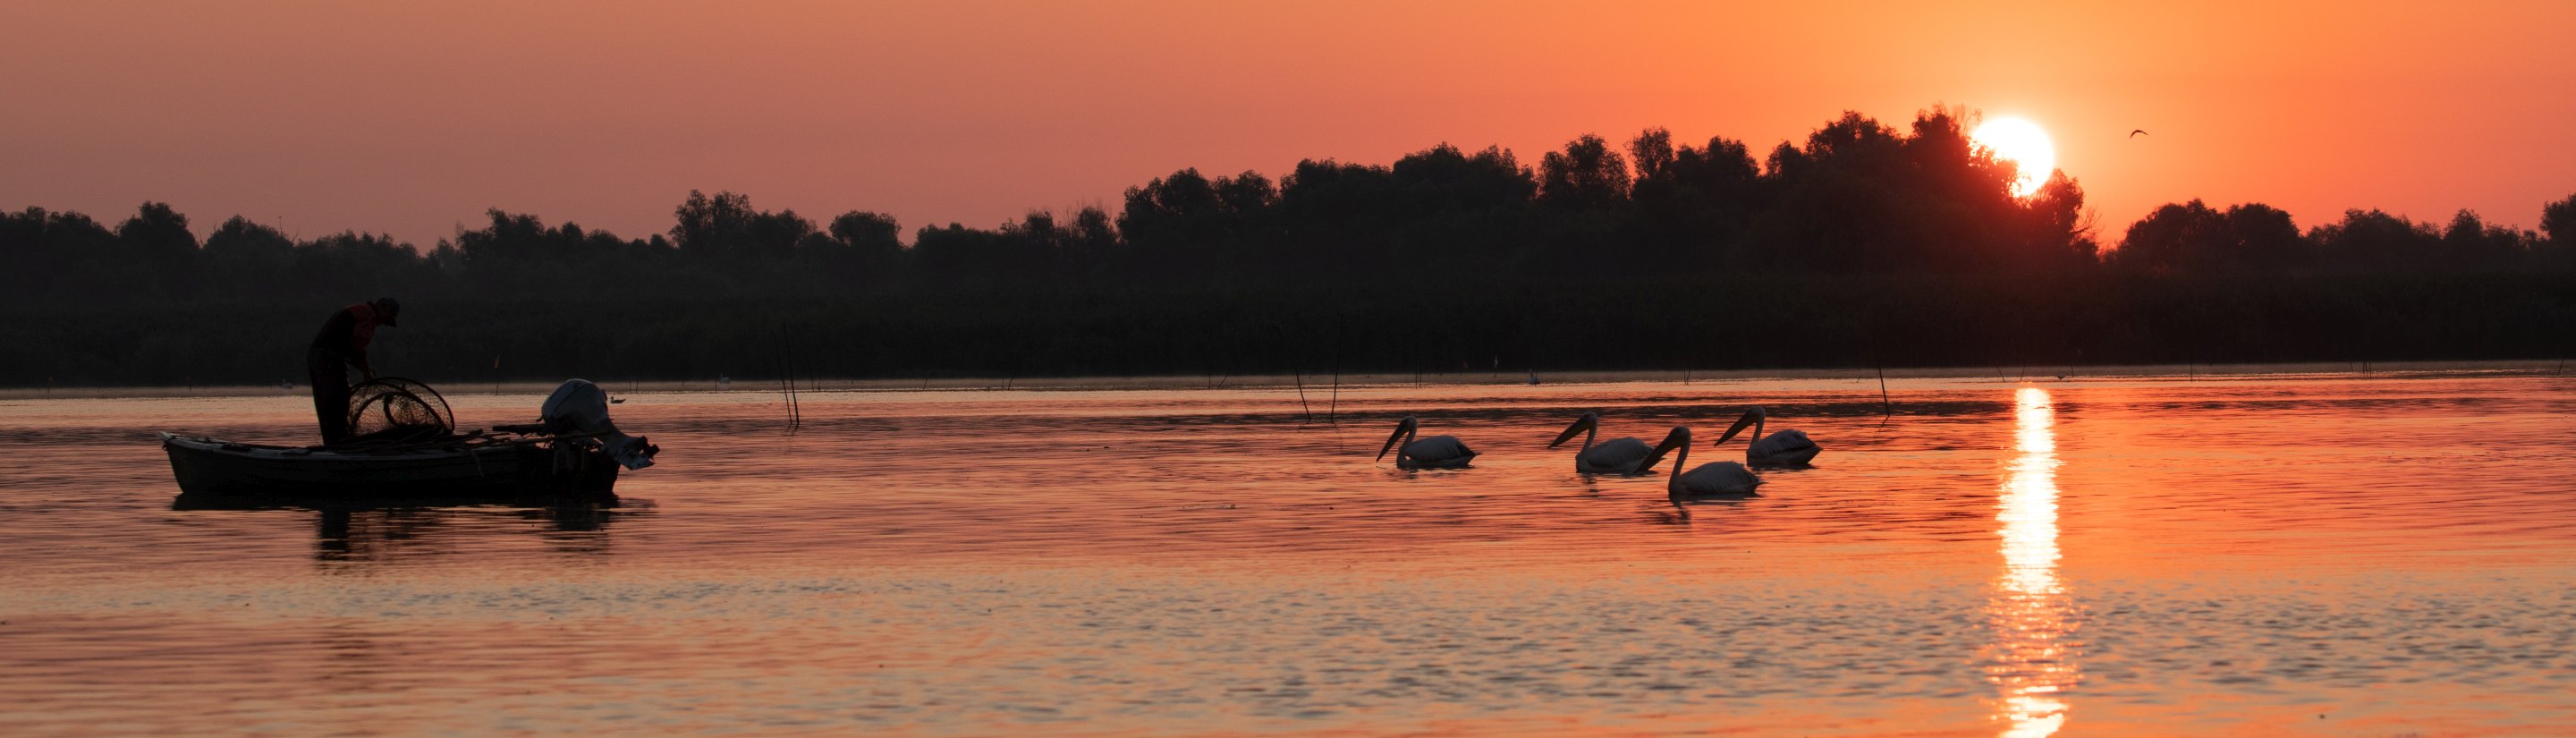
(396, 404)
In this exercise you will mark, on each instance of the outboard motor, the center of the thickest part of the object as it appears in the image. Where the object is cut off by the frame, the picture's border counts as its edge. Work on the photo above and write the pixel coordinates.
(577, 406)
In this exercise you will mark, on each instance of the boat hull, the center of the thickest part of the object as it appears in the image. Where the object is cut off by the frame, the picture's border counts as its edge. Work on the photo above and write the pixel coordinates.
(209, 468)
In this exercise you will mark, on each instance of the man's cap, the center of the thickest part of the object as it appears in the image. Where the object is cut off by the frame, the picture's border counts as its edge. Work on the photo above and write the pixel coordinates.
(387, 309)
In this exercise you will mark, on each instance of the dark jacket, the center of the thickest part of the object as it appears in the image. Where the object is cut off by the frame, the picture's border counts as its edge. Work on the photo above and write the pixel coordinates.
(347, 334)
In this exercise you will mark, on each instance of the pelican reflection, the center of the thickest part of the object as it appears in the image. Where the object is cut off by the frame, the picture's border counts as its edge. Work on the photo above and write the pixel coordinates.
(2032, 660)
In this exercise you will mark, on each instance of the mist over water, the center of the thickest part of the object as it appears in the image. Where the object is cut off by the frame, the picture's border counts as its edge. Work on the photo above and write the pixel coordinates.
(2303, 555)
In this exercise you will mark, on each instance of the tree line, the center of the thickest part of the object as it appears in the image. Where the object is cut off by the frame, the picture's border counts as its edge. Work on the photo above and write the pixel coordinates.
(1865, 243)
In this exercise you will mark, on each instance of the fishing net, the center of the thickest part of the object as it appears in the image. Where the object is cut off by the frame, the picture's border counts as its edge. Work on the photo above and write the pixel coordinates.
(397, 406)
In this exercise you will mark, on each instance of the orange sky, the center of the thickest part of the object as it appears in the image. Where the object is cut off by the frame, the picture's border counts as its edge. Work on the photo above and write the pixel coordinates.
(412, 119)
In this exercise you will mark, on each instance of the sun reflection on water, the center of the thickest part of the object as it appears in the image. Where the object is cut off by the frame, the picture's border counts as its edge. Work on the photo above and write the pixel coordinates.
(2033, 659)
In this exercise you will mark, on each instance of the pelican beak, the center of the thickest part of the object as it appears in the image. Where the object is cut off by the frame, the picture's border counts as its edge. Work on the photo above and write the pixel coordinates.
(1587, 422)
(1400, 429)
(1749, 419)
(1678, 438)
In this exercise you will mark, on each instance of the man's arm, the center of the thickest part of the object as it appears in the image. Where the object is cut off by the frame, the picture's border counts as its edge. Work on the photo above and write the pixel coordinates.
(362, 331)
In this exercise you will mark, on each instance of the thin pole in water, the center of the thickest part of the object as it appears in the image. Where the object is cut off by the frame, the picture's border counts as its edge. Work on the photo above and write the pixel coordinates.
(1332, 412)
(1296, 369)
(1300, 373)
(787, 382)
(1885, 407)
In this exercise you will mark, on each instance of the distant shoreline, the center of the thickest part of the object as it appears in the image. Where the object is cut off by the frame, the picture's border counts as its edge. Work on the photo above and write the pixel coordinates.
(1285, 381)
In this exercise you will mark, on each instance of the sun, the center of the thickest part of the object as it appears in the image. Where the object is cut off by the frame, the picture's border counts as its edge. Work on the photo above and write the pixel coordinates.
(2025, 145)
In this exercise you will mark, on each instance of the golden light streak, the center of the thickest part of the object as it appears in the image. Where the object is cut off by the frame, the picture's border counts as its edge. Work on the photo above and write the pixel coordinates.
(2029, 610)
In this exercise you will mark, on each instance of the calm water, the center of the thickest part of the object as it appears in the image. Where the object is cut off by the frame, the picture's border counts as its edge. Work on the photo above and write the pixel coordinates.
(2282, 556)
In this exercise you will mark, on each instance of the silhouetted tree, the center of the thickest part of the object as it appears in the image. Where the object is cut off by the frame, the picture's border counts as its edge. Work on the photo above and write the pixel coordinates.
(868, 232)
(59, 254)
(249, 256)
(2558, 220)
(1185, 223)
(858, 248)
(2373, 240)
(1835, 209)
(1693, 202)
(2057, 230)
(2173, 238)
(1588, 174)
(2266, 239)
(726, 228)
(958, 254)
(1916, 248)
(1651, 151)
(1862, 197)
(351, 262)
(2470, 244)
(1093, 246)
(1443, 179)
(2192, 238)
(158, 234)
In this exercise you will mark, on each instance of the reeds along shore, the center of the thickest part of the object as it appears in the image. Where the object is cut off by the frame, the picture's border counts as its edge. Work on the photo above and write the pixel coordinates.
(1903, 380)
(1714, 325)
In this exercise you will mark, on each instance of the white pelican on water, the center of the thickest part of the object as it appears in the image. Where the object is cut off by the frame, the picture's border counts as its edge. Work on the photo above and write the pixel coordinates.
(1713, 479)
(1429, 452)
(1622, 456)
(1785, 448)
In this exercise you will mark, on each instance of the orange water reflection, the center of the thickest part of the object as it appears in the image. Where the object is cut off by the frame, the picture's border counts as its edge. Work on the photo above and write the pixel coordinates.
(1147, 563)
(2030, 610)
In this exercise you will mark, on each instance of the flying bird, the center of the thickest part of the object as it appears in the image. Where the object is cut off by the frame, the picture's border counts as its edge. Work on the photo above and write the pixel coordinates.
(1622, 456)
(1431, 452)
(2136, 132)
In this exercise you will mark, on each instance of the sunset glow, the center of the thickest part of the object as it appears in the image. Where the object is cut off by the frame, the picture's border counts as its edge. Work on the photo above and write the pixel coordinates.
(2025, 145)
(2030, 611)
(408, 118)
(1183, 369)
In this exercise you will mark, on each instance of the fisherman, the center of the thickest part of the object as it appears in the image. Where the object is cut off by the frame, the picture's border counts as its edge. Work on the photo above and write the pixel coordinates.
(343, 344)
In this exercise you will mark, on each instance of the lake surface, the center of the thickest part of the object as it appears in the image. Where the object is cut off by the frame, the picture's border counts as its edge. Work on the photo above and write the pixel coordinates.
(2312, 555)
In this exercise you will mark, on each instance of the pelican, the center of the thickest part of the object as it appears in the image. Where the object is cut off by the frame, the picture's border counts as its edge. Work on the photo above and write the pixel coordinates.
(1429, 452)
(1621, 456)
(1785, 448)
(1713, 479)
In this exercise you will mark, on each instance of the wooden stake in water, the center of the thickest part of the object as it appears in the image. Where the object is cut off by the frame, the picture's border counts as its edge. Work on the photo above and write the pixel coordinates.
(1296, 369)
(787, 383)
(1333, 412)
(1885, 407)
(1300, 373)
